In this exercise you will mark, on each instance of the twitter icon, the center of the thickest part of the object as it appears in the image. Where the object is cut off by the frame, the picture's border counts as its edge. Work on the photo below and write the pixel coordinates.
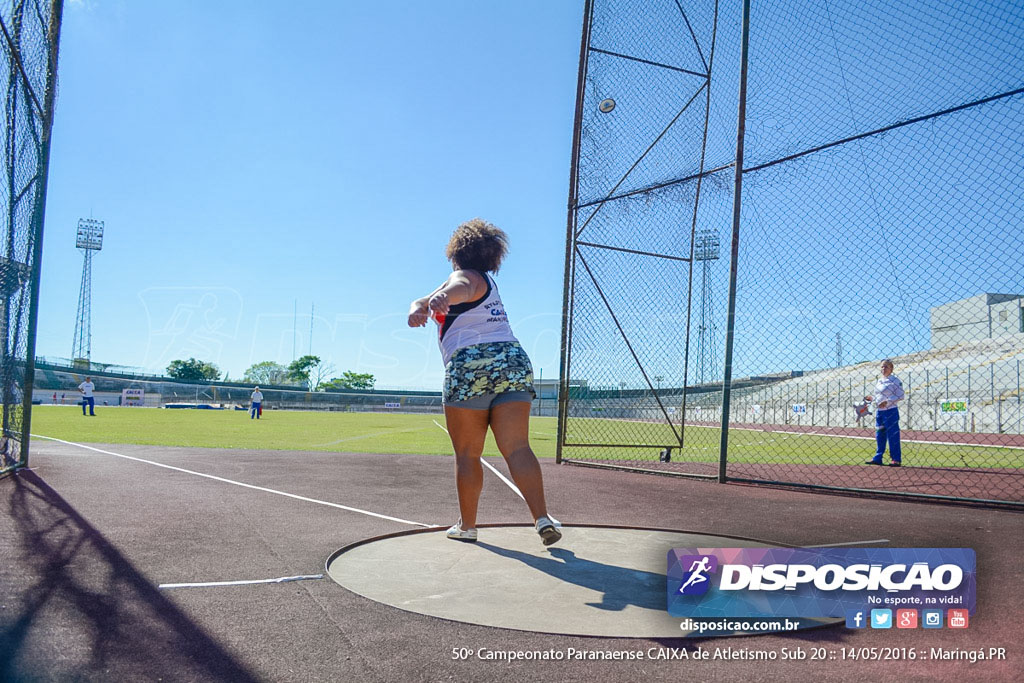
(881, 618)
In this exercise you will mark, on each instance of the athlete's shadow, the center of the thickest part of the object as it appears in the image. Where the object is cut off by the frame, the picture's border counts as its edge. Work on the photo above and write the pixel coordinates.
(619, 586)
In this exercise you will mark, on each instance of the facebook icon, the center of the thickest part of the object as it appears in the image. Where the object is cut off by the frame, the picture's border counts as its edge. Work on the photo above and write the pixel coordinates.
(855, 618)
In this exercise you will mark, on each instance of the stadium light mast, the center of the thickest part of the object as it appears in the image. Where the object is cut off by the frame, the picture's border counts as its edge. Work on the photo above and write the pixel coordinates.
(89, 239)
(706, 249)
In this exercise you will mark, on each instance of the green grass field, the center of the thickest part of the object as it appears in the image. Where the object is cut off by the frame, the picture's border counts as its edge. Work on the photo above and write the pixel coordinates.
(418, 434)
(277, 430)
(778, 447)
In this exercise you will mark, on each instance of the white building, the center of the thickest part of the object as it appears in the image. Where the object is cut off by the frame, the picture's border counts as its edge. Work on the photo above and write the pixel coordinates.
(985, 316)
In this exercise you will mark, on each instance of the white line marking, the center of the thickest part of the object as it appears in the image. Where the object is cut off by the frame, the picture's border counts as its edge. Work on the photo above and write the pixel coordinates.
(491, 468)
(282, 579)
(834, 545)
(238, 483)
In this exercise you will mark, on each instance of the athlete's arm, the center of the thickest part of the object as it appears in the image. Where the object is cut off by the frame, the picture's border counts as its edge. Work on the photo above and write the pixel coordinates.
(418, 309)
(462, 286)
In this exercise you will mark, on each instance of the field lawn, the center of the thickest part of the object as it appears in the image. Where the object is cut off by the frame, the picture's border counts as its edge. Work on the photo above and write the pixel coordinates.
(277, 430)
(418, 434)
(768, 447)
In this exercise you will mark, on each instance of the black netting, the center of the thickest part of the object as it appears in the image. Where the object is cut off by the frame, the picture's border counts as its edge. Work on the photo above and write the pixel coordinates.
(25, 53)
(880, 219)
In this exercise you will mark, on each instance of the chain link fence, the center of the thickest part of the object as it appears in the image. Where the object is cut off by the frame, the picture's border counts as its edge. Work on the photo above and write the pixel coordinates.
(28, 50)
(879, 216)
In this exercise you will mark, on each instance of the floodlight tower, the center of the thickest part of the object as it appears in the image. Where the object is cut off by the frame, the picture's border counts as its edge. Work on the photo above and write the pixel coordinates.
(89, 239)
(706, 250)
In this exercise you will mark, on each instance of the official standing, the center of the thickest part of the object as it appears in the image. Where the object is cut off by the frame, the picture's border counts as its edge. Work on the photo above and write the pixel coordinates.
(256, 404)
(888, 391)
(87, 388)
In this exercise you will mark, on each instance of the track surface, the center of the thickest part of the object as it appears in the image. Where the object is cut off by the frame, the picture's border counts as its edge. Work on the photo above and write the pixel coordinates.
(87, 538)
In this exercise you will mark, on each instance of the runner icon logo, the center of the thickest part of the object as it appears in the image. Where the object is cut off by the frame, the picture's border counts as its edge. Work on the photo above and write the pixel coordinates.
(696, 581)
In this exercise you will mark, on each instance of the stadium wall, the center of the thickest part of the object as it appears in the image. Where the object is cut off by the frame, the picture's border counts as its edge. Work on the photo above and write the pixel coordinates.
(161, 392)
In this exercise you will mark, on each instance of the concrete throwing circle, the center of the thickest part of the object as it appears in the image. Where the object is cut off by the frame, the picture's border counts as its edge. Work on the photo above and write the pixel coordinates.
(596, 581)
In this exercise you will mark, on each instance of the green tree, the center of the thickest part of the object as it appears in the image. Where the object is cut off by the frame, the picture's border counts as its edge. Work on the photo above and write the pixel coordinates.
(193, 369)
(298, 369)
(267, 372)
(351, 380)
(309, 370)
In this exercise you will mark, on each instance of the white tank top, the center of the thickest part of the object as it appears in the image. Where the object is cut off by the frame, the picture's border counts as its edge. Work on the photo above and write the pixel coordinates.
(473, 322)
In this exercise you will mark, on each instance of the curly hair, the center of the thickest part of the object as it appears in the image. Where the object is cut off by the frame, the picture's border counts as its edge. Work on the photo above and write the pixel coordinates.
(477, 245)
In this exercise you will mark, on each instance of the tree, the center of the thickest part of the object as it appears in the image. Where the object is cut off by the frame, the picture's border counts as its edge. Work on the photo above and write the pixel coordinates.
(298, 369)
(193, 369)
(351, 380)
(267, 372)
(318, 374)
(309, 370)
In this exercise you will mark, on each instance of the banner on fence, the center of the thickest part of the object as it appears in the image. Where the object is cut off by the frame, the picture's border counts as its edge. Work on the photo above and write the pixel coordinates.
(133, 397)
(948, 407)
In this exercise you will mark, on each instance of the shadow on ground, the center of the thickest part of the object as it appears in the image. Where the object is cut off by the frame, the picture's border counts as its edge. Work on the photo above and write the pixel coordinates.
(102, 618)
(619, 586)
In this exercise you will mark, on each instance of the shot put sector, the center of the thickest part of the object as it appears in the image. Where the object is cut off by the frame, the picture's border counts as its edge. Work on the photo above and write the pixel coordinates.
(597, 581)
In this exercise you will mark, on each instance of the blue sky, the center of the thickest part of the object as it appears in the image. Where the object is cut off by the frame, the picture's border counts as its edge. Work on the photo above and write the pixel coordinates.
(247, 159)
(860, 241)
(248, 155)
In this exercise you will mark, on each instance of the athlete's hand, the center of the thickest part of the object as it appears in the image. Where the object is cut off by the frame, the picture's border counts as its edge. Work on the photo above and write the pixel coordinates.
(439, 303)
(418, 315)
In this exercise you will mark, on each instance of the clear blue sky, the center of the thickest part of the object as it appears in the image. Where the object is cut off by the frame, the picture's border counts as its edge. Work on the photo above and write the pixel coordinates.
(245, 155)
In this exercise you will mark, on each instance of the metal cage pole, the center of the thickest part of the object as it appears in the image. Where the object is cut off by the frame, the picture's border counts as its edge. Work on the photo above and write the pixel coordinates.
(38, 215)
(730, 325)
(570, 236)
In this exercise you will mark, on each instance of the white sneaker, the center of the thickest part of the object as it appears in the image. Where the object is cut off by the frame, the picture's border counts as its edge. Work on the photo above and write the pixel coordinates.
(457, 533)
(549, 533)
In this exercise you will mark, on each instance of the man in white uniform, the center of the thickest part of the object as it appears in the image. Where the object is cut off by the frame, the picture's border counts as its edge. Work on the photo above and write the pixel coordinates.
(888, 391)
(256, 400)
(87, 388)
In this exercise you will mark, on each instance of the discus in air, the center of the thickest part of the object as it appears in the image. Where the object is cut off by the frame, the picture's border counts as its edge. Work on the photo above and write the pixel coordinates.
(606, 105)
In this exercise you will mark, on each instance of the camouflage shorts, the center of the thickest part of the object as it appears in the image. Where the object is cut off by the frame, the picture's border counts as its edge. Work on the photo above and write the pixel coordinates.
(482, 369)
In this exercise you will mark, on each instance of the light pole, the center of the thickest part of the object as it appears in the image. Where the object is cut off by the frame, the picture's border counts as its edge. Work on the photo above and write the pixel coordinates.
(706, 250)
(89, 238)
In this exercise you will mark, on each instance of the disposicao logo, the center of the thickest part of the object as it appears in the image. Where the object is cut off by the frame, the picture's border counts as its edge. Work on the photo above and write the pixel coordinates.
(696, 580)
(817, 582)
